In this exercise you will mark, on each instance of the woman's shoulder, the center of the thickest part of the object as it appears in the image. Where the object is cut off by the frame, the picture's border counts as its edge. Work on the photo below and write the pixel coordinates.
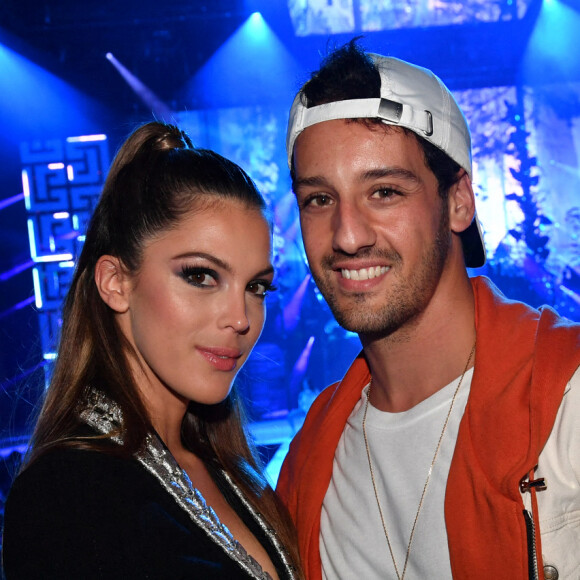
(64, 477)
(61, 465)
(76, 513)
(74, 507)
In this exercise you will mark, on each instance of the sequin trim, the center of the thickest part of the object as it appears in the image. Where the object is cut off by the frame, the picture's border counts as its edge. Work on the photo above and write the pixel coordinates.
(105, 416)
(269, 531)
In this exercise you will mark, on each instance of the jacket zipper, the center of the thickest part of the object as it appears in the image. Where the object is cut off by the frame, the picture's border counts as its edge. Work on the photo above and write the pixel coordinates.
(532, 556)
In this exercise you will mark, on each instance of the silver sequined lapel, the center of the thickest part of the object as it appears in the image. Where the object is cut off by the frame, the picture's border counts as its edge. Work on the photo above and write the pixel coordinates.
(105, 416)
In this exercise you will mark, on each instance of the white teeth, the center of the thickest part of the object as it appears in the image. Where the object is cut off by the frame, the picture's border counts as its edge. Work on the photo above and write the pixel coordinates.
(364, 273)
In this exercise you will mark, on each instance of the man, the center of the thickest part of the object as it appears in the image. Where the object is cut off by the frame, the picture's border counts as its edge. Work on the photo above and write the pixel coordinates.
(421, 462)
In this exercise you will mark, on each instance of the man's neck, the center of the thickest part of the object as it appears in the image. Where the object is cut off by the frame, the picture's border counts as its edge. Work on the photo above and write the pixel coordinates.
(427, 354)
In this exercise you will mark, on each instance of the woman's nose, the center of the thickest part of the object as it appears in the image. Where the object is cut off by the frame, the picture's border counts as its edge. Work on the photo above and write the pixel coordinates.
(234, 315)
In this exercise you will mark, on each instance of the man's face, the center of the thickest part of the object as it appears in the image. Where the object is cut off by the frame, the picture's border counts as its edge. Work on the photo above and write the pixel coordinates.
(375, 230)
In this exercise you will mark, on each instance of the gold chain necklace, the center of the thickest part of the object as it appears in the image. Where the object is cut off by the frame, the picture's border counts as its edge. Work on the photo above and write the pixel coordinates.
(402, 576)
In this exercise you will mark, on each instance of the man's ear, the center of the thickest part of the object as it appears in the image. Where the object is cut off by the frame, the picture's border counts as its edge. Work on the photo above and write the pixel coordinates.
(112, 283)
(461, 204)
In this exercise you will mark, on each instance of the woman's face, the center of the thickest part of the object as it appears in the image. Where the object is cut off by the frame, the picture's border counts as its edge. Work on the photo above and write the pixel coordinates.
(196, 306)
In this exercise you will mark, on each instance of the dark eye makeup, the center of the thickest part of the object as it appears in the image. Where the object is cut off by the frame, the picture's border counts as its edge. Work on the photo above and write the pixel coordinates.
(199, 276)
(261, 287)
(203, 277)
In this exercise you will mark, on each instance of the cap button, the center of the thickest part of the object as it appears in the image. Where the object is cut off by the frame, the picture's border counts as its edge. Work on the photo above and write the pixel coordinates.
(551, 573)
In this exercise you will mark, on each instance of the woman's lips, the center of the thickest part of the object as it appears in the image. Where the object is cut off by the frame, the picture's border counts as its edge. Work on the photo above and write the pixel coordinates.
(223, 359)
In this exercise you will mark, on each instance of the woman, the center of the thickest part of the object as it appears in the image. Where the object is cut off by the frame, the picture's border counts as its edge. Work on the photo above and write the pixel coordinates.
(139, 464)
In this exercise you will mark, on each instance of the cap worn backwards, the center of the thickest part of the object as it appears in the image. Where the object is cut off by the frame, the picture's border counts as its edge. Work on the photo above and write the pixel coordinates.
(414, 98)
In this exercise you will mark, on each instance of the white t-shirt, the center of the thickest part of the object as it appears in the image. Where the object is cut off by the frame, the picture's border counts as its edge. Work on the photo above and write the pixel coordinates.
(352, 540)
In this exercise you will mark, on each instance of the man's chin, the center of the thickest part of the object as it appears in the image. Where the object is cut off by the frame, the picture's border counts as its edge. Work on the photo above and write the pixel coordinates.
(355, 322)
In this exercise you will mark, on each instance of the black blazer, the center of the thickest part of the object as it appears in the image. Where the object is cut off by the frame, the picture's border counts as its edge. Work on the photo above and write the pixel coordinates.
(89, 515)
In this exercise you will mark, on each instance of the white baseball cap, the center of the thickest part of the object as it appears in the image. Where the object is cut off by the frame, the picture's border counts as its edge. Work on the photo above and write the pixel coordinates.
(414, 98)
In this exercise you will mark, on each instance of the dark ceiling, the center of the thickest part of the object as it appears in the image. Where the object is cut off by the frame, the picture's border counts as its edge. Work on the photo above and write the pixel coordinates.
(165, 43)
(162, 43)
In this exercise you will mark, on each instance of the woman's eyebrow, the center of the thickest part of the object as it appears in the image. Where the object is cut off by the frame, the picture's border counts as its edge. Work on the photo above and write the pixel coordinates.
(220, 263)
(205, 256)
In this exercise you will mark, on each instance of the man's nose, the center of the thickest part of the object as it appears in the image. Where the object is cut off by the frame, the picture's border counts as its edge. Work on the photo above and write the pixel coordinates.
(352, 229)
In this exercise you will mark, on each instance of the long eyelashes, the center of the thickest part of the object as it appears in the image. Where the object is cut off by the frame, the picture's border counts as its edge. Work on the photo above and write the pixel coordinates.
(261, 287)
(199, 276)
(202, 277)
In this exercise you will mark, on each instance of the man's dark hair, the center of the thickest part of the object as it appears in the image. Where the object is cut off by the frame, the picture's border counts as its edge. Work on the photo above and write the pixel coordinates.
(349, 73)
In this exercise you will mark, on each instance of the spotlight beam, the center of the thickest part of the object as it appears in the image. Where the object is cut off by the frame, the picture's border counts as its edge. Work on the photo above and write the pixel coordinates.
(16, 270)
(291, 313)
(11, 200)
(159, 109)
(16, 307)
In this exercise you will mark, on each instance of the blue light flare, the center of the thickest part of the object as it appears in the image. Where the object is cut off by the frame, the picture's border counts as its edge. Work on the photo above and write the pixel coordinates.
(35, 102)
(160, 110)
(552, 49)
(26, 189)
(11, 200)
(37, 288)
(257, 27)
(252, 67)
(86, 138)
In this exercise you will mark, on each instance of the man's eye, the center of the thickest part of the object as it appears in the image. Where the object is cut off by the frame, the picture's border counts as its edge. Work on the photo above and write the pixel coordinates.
(385, 193)
(318, 200)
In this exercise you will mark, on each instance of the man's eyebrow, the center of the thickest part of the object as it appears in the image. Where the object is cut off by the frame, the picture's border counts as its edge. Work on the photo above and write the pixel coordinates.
(314, 181)
(380, 172)
(389, 172)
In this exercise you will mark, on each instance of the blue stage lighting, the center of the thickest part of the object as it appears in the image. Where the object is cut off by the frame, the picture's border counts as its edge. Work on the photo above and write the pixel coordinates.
(552, 52)
(251, 68)
(34, 102)
(160, 110)
(575, 4)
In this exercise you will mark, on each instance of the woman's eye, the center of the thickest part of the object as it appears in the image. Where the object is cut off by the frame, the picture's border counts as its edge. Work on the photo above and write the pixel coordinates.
(201, 277)
(260, 287)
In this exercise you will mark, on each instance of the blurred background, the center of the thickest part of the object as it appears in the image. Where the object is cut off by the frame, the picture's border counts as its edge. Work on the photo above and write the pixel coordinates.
(77, 77)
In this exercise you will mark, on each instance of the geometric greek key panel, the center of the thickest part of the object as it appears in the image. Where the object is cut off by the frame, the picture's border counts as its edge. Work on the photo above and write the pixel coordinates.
(86, 160)
(64, 175)
(52, 234)
(46, 185)
(62, 181)
(82, 198)
(50, 323)
(52, 281)
(41, 152)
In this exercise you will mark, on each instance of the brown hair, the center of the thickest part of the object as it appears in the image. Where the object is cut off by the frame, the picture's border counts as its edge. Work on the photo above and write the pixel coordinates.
(154, 180)
(347, 73)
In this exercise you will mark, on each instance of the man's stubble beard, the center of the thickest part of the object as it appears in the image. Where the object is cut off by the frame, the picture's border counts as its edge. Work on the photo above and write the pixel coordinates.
(406, 299)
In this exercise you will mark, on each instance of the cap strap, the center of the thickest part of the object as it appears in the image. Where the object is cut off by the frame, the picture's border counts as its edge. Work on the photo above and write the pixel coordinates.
(385, 109)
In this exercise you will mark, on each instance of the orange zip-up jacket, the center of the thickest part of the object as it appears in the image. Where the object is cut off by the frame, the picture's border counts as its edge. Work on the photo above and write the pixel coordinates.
(524, 359)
